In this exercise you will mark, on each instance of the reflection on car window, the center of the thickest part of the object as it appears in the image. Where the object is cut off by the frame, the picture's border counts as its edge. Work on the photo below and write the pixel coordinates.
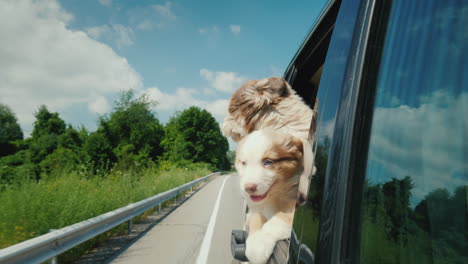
(306, 219)
(415, 199)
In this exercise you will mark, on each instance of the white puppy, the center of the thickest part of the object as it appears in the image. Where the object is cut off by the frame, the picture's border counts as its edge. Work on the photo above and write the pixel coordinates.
(269, 164)
(272, 103)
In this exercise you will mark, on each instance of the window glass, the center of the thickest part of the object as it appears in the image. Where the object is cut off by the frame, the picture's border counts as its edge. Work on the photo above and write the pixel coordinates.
(306, 218)
(415, 198)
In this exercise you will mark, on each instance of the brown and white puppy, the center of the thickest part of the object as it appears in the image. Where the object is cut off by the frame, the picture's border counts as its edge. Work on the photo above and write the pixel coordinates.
(269, 164)
(272, 103)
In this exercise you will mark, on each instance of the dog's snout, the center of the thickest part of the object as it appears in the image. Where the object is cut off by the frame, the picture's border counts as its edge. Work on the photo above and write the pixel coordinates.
(250, 187)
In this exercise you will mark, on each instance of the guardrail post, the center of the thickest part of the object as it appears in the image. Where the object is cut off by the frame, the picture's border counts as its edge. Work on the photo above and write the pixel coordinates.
(175, 199)
(129, 226)
(190, 188)
(54, 259)
(159, 208)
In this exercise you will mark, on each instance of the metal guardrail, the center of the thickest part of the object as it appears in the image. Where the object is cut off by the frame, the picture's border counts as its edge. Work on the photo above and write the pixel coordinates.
(47, 246)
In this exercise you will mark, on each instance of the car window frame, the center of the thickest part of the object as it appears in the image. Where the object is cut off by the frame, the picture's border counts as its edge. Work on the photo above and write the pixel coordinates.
(339, 226)
(339, 230)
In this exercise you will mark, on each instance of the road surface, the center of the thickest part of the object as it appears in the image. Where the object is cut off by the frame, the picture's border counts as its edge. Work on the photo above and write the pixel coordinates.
(199, 231)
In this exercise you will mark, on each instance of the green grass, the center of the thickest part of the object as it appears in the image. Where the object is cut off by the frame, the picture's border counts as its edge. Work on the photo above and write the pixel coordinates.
(33, 208)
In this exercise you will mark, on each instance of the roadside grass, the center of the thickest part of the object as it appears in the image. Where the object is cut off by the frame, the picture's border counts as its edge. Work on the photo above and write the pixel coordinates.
(30, 209)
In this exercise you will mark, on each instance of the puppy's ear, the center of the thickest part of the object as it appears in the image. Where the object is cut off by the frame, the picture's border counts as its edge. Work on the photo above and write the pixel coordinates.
(241, 98)
(295, 147)
(313, 125)
(232, 128)
(272, 89)
(247, 106)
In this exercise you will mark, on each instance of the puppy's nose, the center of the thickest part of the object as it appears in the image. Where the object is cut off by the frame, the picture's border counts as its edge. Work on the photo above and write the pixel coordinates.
(250, 187)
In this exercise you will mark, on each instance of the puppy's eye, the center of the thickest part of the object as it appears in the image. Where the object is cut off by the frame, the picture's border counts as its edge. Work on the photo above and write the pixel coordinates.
(267, 162)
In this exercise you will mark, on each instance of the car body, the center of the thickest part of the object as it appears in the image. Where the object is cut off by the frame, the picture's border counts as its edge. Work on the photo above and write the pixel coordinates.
(391, 78)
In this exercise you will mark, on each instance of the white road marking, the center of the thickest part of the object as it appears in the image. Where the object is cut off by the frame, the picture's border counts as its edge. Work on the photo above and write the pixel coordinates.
(205, 248)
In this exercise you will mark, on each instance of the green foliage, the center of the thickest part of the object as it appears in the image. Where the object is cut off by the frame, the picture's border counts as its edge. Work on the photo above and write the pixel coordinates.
(61, 160)
(62, 175)
(434, 231)
(317, 182)
(396, 203)
(47, 123)
(71, 139)
(231, 157)
(306, 224)
(194, 135)
(131, 130)
(47, 130)
(30, 209)
(130, 137)
(99, 150)
(9, 131)
(15, 169)
(394, 231)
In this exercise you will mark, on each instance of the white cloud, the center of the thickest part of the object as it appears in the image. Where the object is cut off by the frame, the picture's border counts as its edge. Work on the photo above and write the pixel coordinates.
(165, 11)
(124, 35)
(223, 81)
(119, 34)
(208, 30)
(427, 142)
(100, 105)
(184, 98)
(105, 2)
(218, 107)
(151, 17)
(236, 29)
(325, 130)
(98, 31)
(44, 62)
(147, 24)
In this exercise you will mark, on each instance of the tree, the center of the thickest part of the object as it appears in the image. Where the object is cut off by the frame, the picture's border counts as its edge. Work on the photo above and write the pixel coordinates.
(9, 131)
(132, 131)
(99, 150)
(71, 139)
(67, 155)
(231, 156)
(397, 195)
(194, 134)
(47, 129)
(47, 123)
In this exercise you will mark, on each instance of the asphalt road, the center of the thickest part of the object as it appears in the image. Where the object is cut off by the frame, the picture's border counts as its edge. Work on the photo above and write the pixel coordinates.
(199, 231)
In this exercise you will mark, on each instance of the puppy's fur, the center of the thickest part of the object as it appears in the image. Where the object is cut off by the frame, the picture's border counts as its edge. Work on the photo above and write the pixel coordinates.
(272, 103)
(269, 164)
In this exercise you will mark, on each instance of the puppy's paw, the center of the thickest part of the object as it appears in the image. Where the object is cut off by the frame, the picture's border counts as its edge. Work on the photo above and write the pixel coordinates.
(259, 247)
(301, 199)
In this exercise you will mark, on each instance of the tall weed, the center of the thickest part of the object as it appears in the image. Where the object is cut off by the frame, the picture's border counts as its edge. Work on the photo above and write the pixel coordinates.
(33, 208)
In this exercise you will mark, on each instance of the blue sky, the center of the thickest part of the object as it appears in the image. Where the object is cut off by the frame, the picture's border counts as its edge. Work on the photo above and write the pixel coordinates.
(76, 56)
